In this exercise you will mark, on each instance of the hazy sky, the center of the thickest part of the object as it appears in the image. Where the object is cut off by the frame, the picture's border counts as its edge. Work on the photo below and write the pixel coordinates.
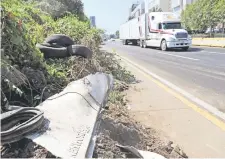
(109, 13)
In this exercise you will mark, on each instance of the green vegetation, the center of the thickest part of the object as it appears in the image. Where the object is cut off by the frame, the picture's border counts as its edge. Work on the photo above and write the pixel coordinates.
(117, 34)
(28, 78)
(203, 14)
(61, 8)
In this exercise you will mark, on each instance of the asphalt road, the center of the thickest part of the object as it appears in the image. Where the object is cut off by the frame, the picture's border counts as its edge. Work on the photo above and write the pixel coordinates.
(200, 71)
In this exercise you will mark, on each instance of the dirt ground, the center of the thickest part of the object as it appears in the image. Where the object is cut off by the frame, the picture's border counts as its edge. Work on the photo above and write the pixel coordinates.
(118, 127)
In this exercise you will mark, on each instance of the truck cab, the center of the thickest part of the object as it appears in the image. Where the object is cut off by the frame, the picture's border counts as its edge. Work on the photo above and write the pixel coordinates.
(164, 30)
(155, 29)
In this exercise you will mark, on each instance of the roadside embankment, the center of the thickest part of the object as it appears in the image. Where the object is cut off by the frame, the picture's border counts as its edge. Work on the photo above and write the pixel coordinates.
(211, 42)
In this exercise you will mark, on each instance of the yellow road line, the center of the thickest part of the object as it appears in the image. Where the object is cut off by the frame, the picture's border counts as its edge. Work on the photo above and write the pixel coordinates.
(219, 123)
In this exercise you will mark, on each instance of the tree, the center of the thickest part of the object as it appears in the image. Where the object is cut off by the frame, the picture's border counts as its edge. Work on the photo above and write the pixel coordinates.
(117, 34)
(60, 8)
(74, 6)
(204, 14)
(111, 36)
(193, 16)
(210, 18)
(219, 11)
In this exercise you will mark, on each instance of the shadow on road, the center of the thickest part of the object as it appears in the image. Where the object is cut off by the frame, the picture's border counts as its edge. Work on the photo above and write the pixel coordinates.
(179, 50)
(189, 50)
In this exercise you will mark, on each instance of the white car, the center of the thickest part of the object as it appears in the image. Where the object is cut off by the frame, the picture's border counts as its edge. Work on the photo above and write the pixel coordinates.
(213, 31)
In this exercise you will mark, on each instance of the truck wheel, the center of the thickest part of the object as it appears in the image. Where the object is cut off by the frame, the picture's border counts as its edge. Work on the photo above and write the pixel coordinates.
(141, 43)
(163, 45)
(134, 42)
(125, 42)
(185, 48)
(144, 44)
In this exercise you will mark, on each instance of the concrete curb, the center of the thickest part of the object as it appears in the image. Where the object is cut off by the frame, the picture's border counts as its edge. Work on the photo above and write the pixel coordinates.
(218, 46)
(210, 42)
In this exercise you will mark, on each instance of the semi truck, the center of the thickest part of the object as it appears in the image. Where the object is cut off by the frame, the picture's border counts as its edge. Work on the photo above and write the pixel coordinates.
(155, 29)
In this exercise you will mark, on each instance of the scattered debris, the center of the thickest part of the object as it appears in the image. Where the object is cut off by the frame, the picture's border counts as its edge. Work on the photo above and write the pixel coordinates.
(27, 90)
(82, 99)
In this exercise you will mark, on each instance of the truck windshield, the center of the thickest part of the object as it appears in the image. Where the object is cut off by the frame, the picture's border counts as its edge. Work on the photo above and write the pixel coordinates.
(171, 26)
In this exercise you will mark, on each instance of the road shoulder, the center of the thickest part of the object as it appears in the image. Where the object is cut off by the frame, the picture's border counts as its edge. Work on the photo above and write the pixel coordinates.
(154, 107)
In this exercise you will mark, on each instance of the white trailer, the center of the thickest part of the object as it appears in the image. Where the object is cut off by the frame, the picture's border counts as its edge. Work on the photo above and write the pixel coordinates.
(155, 29)
(129, 31)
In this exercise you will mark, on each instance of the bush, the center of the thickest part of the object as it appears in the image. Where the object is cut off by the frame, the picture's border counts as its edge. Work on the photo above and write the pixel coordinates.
(32, 78)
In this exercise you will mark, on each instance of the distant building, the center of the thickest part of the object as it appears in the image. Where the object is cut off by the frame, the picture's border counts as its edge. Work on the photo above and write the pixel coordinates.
(145, 6)
(133, 10)
(177, 6)
(163, 5)
(93, 21)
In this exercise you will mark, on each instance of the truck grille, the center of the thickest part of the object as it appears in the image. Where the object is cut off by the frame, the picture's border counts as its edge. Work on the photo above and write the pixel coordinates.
(181, 35)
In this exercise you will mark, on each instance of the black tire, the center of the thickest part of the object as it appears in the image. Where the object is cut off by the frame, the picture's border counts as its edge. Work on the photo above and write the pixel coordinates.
(80, 50)
(141, 43)
(163, 45)
(144, 44)
(52, 45)
(51, 52)
(125, 42)
(60, 39)
(134, 42)
(185, 48)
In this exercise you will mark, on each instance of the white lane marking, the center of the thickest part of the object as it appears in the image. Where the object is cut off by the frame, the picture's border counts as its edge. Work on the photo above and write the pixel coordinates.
(201, 71)
(189, 58)
(214, 52)
(213, 148)
(189, 96)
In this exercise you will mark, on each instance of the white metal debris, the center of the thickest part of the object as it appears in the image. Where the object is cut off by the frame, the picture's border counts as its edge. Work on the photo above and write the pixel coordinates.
(71, 117)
